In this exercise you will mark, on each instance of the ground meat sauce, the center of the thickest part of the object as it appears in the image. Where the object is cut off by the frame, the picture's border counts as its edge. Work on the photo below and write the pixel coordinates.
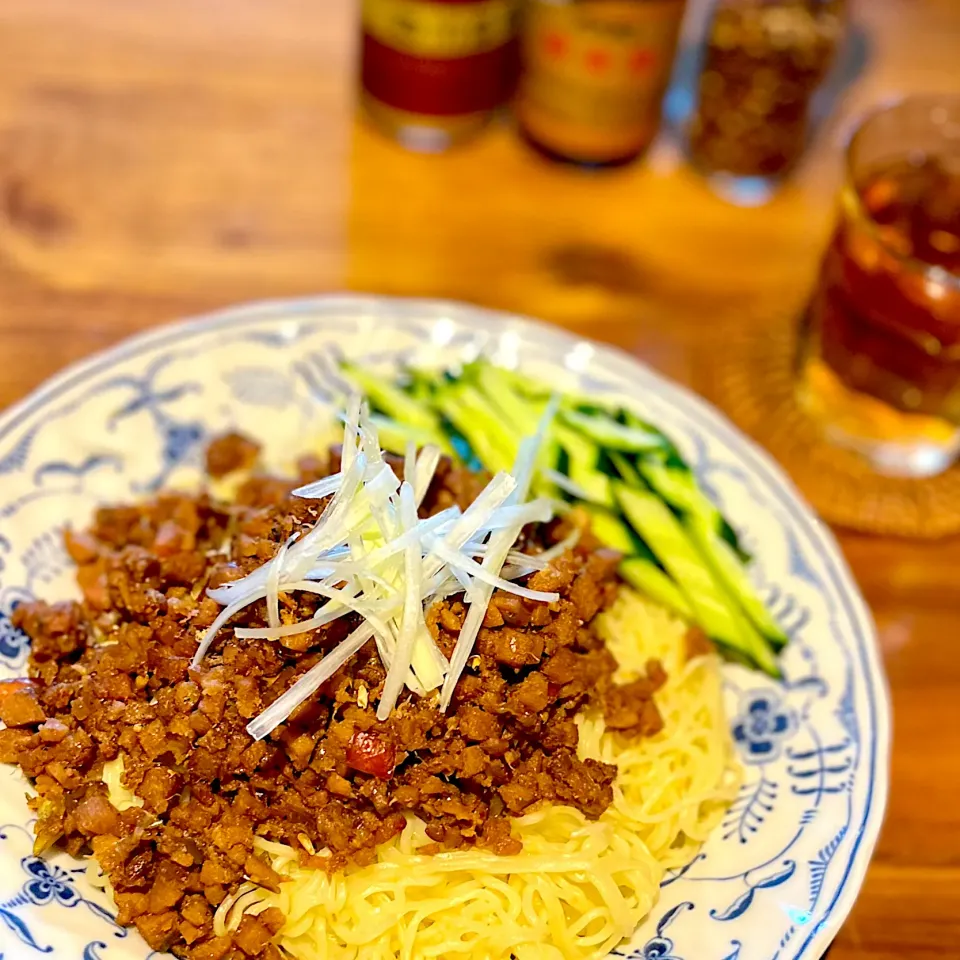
(229, 453)
(110, 677)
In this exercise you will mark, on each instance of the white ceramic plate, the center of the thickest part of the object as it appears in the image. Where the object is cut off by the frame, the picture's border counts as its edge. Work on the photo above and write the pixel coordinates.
(778, 877)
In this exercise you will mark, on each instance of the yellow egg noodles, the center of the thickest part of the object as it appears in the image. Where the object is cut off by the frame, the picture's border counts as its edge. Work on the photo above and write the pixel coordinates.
(579, 887)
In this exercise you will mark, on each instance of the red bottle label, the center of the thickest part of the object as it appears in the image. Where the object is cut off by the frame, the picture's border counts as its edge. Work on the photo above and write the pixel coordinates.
(440, 58)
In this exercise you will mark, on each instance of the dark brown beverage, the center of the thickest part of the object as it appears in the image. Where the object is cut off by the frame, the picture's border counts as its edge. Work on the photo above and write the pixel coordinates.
(888, 325)
(882, 352)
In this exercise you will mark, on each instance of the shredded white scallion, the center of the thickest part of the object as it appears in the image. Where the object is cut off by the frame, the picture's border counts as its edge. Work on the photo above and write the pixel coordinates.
(423, 473)
(273, 583)
(411, 621)
(320, 489)
(308, 684)
(370, 554)
(565, 484)
(457, 560)
(499, 546)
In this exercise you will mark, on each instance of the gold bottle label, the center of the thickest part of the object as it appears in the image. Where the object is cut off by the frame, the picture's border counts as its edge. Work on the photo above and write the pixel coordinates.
(595, 73)
(438, 30)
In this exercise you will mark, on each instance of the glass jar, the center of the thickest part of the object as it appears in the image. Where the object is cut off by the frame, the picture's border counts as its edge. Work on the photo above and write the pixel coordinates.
(594, 75)
(434, 72)
(763, 61)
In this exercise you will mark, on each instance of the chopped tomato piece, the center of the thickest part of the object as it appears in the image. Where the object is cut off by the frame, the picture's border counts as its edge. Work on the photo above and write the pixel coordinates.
(367, 753)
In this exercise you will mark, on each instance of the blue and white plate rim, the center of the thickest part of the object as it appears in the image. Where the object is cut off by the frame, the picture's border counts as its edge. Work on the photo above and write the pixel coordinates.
(708, 418)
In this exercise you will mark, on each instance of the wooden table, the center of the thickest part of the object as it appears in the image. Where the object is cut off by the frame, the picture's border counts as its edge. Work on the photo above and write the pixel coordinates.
(158, 159)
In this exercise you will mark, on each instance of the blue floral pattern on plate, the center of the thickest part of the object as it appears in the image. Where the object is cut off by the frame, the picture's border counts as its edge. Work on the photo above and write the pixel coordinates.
(47, 883)
(774, 881)
(762, 726)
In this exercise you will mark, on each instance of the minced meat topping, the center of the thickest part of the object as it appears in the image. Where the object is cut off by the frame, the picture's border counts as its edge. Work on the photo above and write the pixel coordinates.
(110, 677)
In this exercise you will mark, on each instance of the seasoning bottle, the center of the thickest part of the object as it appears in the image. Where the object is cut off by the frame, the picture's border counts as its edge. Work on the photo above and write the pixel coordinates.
(433, 72)
(594, 75)
(762, 64)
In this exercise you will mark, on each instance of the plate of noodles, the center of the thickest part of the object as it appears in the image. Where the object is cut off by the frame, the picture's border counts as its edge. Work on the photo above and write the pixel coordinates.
(353, 627)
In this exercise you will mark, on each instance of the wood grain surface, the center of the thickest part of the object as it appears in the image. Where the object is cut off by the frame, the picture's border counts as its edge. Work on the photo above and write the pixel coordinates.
(159, 159)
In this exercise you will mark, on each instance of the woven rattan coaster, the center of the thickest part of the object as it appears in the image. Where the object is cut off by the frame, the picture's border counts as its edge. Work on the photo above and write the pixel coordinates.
(751, 377)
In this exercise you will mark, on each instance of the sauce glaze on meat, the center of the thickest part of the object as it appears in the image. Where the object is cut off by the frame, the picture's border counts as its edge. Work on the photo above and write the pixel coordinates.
(110, 677)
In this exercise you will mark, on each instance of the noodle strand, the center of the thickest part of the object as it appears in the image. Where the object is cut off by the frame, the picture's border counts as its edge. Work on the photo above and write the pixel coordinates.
(578, 887)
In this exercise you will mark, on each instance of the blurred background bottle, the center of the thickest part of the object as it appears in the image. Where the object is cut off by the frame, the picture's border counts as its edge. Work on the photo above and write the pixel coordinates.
(594, 75)
(763, 61)
(434, 72)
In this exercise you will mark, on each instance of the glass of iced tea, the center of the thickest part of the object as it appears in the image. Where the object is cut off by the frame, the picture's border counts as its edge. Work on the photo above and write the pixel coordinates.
(880, 343)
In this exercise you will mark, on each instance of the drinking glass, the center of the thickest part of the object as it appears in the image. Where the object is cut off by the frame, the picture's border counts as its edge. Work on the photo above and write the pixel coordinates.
(880, 343)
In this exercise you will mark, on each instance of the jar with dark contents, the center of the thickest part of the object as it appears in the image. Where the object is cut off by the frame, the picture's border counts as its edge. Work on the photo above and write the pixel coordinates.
(434, 72)
(763, 62)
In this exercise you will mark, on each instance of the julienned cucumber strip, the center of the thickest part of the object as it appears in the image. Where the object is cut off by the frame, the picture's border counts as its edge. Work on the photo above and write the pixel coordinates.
(501, 433)
(390, 400)
(674, 462)
(578, 447)
(648, 578)
(533, 392)
(680, 490)
(714, 611)
(630, 419)
(395, 436)
(678, 486)
(628, 472)
(654, 522)
(623, 465)
(497, 386)
(493, 444)
(519, 412)
(728, 570)
(606, 432)
(610, 529)
(639, 567)
(421, 385)
(581, 465)
(702, 520)
(595, 485)
(760, 651)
